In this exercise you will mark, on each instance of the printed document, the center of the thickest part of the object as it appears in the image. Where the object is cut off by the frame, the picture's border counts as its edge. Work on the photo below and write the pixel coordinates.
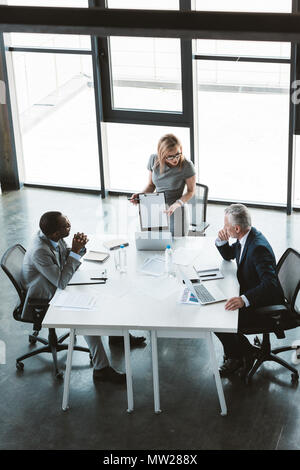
(72, 300)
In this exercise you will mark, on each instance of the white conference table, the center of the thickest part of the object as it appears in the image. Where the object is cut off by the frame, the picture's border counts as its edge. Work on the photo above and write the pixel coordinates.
(136, 301)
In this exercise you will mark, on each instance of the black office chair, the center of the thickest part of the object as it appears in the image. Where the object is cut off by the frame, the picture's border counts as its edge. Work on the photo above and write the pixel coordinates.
(285, 317)
(198, 205)
(32, 311)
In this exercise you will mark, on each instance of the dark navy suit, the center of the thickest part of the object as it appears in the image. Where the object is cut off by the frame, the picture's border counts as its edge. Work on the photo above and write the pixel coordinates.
(258, 281)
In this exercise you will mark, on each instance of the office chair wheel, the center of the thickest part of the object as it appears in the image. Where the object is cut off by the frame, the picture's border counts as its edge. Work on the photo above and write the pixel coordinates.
(295, 378)
(59, 375)
(19, 365)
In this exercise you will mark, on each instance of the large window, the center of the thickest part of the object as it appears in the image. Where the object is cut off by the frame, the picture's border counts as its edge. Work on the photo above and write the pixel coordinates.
(146, 74)
(129, 147)
(56, 104)
(57, 118)
(146, 94)
(145, 87)
(243, 130)
(243, 111)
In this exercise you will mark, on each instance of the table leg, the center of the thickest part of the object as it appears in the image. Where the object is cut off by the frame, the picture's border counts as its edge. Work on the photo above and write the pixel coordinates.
(65, 403)
(155, 372)
(128, 371)
(217, 374)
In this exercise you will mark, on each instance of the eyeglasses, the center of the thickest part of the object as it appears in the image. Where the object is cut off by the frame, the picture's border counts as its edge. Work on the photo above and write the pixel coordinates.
(172, 157)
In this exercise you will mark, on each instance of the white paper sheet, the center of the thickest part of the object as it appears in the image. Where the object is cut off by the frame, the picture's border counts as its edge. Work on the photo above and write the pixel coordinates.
(72, 300)
(83, 276)
(184, 257)
(154, 266)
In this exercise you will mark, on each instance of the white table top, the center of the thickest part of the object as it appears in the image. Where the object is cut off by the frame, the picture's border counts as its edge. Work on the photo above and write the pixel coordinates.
(137, 301)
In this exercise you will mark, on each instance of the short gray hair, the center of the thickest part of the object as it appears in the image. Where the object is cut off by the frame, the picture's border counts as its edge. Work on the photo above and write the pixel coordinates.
(239, 215)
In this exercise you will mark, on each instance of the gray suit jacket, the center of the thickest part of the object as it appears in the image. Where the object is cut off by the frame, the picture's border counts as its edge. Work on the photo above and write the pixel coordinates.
(43, 272)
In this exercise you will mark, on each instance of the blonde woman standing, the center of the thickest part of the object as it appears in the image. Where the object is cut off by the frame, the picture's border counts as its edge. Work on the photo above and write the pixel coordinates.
(170, 172)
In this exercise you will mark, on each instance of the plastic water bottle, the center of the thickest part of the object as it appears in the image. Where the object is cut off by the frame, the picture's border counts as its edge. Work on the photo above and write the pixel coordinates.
(169, 261)
(123, 259)
(117, 258)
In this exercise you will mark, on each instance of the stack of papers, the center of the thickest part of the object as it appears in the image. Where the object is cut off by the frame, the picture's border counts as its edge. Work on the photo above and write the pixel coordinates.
(72, 300)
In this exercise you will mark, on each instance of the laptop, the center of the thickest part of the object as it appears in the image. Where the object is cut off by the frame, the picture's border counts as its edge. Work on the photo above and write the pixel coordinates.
(153, 241)
(204, 295)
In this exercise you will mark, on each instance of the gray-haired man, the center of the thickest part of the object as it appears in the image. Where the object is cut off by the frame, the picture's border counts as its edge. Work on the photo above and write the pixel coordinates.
(259, 285)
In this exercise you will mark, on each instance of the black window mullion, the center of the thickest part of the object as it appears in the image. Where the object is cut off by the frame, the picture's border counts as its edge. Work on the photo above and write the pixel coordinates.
(132, 116)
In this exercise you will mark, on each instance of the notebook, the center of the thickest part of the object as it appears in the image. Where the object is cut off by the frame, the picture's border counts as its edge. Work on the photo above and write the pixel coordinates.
(96, 256)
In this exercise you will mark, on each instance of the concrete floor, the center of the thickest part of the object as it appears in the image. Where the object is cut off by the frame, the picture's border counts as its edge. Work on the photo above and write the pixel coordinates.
(264, 415)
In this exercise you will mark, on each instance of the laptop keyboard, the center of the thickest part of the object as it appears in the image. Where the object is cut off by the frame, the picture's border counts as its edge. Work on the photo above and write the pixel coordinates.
(203, 294)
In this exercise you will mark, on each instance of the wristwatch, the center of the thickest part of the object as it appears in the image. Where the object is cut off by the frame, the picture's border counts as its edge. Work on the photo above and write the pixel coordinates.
(180, 202)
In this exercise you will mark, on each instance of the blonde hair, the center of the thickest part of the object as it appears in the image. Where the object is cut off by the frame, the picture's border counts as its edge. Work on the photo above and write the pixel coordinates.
(165, 144)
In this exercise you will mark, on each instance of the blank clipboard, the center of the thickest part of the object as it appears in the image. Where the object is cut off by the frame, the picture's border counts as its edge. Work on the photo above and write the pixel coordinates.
(152, 208)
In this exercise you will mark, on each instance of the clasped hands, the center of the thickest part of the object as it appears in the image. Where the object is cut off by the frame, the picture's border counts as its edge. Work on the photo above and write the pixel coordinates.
(79, 241)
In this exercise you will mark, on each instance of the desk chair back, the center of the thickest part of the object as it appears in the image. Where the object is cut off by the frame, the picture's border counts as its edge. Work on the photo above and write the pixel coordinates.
(288, 270)
(11, 263)
(32, 311)
(199, 205)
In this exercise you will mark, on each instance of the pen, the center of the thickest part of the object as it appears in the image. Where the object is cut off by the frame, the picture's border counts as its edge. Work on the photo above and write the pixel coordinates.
(98, 278)
(207, 275)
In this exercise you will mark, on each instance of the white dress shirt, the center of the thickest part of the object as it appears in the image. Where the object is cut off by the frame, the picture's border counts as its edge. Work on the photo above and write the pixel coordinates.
(55, 245)
(242, 242)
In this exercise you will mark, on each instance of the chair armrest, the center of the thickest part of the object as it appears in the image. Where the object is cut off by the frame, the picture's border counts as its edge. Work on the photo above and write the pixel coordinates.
(272, 310)
(38, 303)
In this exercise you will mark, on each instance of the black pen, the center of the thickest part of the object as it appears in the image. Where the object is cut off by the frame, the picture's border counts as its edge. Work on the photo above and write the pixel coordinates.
(98, 278)
(207, 275)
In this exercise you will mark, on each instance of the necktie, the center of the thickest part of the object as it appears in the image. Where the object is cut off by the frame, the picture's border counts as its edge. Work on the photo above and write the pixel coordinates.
(238, 252)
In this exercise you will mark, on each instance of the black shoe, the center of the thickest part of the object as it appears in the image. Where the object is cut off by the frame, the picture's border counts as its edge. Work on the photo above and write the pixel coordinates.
(230, 366)
(108, 374)
(134, 340)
